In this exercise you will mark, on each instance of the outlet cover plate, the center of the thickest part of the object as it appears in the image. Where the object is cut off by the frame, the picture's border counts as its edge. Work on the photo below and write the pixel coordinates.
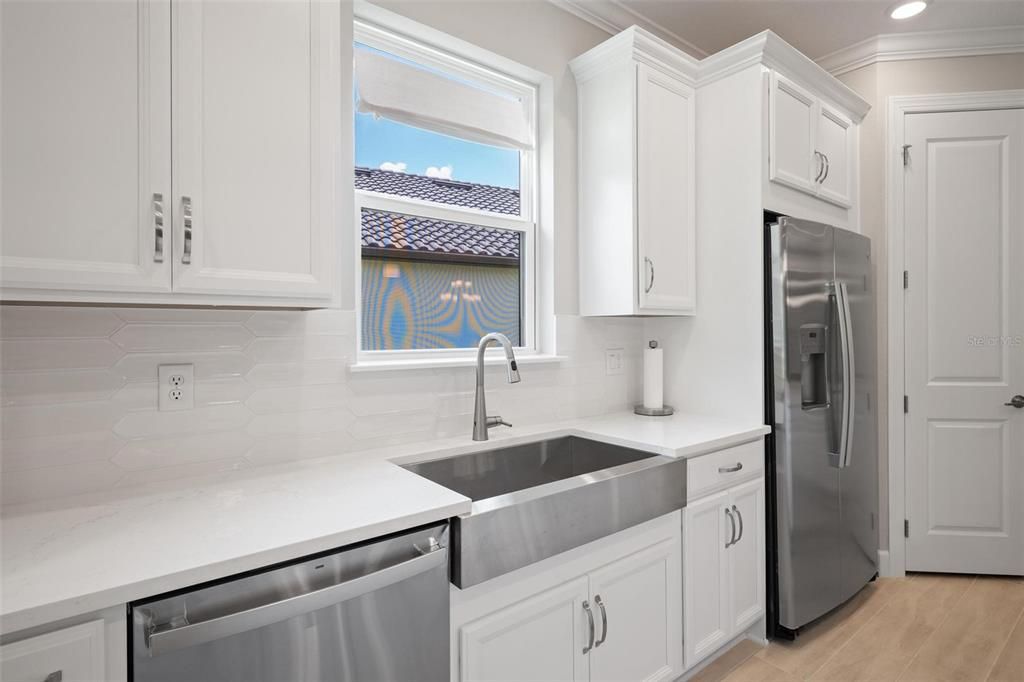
(614, 361)
(175, 387)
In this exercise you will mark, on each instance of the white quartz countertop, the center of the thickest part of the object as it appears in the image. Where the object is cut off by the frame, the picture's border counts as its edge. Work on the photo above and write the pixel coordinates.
(71, 557)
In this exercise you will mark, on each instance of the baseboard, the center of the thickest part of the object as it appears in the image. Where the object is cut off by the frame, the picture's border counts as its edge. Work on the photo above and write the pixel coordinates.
(883, 563)
(748, 634)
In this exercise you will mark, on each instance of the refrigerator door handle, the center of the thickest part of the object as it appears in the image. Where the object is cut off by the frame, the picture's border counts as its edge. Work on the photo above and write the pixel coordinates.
(849, 378)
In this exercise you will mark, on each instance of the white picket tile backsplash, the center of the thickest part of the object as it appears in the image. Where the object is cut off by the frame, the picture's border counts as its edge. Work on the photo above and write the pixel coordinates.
(78, 390)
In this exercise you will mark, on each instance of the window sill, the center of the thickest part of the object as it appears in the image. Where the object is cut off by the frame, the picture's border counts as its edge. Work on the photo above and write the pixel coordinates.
(440, 363)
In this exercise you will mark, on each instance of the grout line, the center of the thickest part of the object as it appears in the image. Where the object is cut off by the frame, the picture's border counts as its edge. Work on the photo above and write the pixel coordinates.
(1009, 636)
(938, 627)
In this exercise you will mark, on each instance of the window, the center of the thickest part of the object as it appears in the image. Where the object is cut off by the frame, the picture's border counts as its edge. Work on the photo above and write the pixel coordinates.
(444, 180)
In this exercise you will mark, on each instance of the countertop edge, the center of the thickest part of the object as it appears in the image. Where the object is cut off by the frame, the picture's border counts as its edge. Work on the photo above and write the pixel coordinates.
(31, 617)
(76, 606)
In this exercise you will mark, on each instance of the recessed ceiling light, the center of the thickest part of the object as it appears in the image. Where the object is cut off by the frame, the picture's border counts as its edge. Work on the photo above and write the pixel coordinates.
(905, 10)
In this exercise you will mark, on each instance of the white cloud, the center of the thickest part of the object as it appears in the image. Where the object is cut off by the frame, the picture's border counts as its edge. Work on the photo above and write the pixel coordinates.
(397, 166)
(444, 172)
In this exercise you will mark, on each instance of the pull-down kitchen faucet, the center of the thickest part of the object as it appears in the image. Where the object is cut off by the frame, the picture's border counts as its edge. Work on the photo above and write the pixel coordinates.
(481, 422)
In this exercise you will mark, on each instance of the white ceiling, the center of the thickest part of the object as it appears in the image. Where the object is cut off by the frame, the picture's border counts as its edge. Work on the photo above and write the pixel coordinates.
(815, 27)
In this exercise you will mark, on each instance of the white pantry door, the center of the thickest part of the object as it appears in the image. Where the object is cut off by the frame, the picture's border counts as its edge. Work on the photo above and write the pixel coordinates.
(965, 341)
(256, 97)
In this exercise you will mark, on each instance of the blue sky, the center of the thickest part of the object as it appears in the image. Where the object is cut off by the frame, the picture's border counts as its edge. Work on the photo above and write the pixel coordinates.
(380, 141)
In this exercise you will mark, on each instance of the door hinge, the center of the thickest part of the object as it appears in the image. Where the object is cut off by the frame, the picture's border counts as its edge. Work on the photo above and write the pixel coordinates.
(906, 404)
(906, 279)
(906, 528)
(906, 154)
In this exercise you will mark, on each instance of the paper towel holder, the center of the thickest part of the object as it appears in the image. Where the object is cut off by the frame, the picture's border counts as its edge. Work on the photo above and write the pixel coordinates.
(663, 411)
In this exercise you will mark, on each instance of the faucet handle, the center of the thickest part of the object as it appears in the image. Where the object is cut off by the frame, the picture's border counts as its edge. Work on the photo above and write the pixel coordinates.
(496, 421)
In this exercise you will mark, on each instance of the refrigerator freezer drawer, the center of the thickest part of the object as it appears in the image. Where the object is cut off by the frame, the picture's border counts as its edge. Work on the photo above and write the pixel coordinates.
(725, 468)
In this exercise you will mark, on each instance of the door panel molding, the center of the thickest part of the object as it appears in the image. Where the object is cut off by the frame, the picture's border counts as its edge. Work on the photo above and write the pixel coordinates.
(897, 108)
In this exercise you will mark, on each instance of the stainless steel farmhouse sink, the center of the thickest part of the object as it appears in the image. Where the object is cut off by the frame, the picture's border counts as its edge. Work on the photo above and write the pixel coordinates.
(535, 500)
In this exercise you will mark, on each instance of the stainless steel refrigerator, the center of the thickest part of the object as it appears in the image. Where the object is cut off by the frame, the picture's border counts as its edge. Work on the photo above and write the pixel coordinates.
(821, 401)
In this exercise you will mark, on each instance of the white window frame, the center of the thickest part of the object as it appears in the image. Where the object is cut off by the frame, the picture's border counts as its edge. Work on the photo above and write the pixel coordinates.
(371, 33)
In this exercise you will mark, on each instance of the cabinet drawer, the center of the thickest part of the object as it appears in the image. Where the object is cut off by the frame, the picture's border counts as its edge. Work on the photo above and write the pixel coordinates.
(724, 468)
(74, 654)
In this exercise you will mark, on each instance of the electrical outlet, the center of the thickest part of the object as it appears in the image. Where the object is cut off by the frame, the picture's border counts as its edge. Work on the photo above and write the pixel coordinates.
(613, 361)
(175, 389)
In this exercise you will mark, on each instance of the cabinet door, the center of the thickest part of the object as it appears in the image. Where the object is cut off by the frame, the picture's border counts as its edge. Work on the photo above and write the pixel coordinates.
(256, 128)
(638, 605)
(793, 114)
(746, 556)
(74, 654)
(706, 618)
(834, 141)
(85, 140)
(540, 638)
(665, 185)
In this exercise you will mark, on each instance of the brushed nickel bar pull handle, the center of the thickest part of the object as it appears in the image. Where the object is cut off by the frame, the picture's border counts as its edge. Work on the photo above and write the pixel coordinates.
(158, 230)
(604, 621)
(590, 618)
(827, 166)
(732, 524)
(186, 206)
(740, 517)
(731, 470)
(820, 158)
(650, 284)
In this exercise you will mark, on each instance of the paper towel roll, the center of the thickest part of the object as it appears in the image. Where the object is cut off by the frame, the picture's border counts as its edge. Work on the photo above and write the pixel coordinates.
(654, 378)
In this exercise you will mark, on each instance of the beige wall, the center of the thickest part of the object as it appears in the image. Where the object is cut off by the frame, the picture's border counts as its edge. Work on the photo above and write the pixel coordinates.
(876, 83)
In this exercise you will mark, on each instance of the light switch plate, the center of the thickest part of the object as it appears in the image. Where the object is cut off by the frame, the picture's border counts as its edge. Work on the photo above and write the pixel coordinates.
(175, 387)
(613, 361)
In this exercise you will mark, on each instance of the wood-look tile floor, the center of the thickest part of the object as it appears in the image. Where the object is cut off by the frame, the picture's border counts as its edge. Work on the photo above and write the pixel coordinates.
(923, 628)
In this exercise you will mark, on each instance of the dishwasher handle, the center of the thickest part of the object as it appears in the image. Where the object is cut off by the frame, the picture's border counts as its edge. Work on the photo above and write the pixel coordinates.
(180, 637)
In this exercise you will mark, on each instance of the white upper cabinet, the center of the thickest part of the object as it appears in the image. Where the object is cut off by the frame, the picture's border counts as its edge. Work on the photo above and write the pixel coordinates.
(85, 160)
(637, 208)
(91, 212)
(834, 144)
(665, 192)
(256, 125)
(810, 143)
(791, 158)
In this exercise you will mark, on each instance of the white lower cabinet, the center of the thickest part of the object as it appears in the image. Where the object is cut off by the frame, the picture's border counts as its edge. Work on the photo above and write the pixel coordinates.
(723, 568)
(74, 654)
(634, 602)
(541, 638)
(607, 619)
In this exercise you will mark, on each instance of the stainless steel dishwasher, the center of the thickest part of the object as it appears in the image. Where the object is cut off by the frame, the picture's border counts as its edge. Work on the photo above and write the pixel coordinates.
(370, 612)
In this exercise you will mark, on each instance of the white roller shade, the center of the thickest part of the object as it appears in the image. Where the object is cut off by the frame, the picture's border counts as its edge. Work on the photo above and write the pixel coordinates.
(406, 94)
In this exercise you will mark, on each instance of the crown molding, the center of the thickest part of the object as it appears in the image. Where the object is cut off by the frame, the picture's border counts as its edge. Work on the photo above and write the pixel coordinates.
(768, 49)
(612, 17)
(891, 47)
(635, 44)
